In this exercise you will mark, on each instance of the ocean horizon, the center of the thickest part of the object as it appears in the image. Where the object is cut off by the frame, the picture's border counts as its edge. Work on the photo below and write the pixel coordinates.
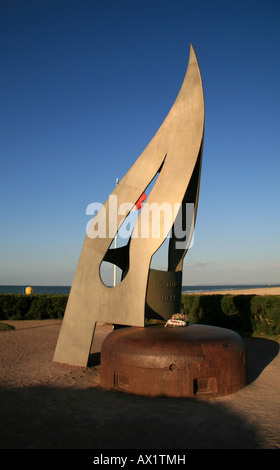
(19, 289)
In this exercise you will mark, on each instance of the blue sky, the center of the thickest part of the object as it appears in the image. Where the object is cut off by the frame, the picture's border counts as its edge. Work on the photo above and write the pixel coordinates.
(84, 87)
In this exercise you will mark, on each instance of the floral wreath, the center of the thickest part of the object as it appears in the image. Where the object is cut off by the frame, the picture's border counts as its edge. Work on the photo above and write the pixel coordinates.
(178, 319)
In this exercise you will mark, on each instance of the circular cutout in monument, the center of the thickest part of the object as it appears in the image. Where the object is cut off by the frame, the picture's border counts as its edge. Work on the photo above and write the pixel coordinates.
(110, 274)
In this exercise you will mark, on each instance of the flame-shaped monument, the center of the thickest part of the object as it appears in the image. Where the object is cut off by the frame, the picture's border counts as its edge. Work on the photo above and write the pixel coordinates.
(174, 155)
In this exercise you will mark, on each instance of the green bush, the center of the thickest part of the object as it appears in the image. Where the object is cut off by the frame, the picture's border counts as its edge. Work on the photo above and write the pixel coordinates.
(14, 306)
(243, 313)
(32, 307)
(190, 306)
(265, 313)
(47, 306)
(205, 309)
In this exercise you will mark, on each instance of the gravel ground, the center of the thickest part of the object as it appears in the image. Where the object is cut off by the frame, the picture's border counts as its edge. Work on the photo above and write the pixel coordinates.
(46, 405)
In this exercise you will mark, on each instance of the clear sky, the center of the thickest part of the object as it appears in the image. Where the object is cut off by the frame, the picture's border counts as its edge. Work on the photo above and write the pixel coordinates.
(86, 84)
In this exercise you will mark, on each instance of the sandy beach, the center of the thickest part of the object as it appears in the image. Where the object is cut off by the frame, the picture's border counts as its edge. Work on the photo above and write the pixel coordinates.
(257, 291)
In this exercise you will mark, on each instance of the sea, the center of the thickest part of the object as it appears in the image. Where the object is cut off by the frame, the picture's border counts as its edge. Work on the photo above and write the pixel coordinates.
(185, 289)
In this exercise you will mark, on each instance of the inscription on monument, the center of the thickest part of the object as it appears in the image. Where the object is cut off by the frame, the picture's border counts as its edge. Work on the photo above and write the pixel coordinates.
(164, 292)
(168, 298)
(167, 283)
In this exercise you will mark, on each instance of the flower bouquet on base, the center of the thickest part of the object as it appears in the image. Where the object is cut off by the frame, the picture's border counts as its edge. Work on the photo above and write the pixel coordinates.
(178, 319)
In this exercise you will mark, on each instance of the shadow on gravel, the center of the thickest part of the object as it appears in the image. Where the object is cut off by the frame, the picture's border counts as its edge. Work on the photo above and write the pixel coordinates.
(43, 417)
(260, 352)
(52, 418)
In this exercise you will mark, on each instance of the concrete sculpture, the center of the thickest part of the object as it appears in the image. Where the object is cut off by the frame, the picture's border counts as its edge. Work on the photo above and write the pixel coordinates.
(174, 154)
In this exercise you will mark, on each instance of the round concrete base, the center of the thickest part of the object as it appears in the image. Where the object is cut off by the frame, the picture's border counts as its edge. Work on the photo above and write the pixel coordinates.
(196, 361)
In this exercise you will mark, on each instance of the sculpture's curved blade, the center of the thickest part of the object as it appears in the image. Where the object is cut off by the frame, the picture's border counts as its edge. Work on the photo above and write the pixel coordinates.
(177, 150)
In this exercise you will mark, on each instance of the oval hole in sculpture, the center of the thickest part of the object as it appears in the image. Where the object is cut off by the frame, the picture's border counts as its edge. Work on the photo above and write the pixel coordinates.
(110, 274)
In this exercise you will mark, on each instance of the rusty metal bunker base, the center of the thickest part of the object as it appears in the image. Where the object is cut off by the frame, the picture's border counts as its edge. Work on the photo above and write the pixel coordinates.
(196, 361)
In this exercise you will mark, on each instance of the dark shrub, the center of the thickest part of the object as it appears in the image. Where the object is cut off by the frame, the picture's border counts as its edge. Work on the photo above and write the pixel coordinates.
(32, 307)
